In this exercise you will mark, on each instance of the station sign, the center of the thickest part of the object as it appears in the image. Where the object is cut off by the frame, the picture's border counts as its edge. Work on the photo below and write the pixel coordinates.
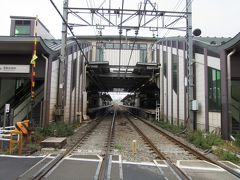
(10, 68)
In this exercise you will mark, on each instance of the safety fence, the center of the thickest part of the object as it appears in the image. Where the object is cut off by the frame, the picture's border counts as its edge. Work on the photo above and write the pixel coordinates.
(14, 135)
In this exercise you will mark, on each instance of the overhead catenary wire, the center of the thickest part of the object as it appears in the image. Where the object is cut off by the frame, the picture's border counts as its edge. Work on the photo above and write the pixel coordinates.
(174, 9)
(71, 31)
(93, 16)
(136, 33)
(74, 37)
(120, 39)
(184, 9)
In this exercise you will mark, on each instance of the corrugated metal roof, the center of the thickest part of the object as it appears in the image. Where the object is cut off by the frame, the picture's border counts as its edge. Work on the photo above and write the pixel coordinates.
(48, 45)
(214, 41)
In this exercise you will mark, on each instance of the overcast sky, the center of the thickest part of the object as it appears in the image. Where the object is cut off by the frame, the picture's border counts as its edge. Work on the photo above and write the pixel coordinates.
(214, 17)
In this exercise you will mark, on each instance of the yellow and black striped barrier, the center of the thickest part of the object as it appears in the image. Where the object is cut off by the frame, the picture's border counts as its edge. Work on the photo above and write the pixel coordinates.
(23, 126)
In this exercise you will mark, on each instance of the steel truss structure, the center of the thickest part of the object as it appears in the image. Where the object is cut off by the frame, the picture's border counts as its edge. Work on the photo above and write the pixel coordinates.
(151, 19)
(147, 16)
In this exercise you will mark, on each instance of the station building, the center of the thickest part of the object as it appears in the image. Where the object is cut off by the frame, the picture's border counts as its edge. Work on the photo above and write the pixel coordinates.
(153, 71)
(216, 83)
(15, 74)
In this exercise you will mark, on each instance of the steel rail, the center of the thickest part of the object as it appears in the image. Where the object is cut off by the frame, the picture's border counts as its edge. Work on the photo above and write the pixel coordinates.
(104, 167)
(188, 148)
(177, 170)
(50, 165)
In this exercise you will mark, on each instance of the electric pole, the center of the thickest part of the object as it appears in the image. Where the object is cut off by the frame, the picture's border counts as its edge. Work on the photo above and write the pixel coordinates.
(190, 63)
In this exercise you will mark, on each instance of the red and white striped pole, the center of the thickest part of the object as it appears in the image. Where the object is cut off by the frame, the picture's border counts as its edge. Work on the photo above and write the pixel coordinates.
(33, 65)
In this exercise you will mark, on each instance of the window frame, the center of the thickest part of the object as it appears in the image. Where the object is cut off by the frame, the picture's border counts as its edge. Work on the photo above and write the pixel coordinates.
(214, 90)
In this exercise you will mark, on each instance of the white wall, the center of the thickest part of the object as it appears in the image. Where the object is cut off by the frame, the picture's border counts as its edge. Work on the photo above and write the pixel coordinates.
(41, 31)
(213, 62)
(112, 55)
(67, 89)
(214, 117)
(169, 64)
(53, 89)
(214, 121)
(200, 90)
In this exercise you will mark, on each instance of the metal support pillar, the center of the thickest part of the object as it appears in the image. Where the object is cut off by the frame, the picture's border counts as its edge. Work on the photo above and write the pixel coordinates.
(63, 59)
(137, 100)
(190, 63)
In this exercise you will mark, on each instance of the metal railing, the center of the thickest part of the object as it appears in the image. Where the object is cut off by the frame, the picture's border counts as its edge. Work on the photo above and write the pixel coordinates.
(25, 107)
(235, 108)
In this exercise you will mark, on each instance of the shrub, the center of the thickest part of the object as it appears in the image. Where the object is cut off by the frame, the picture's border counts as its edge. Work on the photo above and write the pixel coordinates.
(170, 127)
(237, 142)
(118, 146)
(58, 129)
(204, 141)
(213, 139)
(227, 156)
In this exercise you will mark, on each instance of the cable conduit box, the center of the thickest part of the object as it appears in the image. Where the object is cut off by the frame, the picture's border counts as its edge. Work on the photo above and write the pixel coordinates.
(195, 105)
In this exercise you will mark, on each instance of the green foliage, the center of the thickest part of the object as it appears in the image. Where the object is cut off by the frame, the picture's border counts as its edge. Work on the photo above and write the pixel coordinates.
(172, 128)
(227, 156)
(199, 139)
(33, 147)
(58, 129)
(118, 146)
(237, 142)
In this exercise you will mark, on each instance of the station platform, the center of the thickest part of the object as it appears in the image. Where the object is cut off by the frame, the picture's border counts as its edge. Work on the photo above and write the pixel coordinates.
(149, 114)
(93, 112)
(87, 167)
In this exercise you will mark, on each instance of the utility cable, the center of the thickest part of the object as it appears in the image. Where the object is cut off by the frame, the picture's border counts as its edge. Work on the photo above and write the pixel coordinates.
(74, 37)
(183, 10)
(71, 31)
(136, 33)
(120, 39)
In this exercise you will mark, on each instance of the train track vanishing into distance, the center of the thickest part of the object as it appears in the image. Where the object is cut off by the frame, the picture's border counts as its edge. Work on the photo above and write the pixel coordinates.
(165, 155)
(158, 144)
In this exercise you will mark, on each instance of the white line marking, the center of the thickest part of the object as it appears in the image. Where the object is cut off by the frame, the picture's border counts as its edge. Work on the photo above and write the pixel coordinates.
(144, 163)
(235, 165)
(15, 156)
(120, 168)
(82, 159)
(177, 176)
(201, 168)
(160, 169)
(98, 169)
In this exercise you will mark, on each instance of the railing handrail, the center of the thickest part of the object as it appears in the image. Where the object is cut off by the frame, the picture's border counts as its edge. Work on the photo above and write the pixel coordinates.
(39, 91)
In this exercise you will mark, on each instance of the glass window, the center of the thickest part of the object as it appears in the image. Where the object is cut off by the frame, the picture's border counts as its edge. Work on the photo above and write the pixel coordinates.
(133, 47)
(22, 28)
(174, 72)
(109, 46)
(125, 46)
(117, 46)
(142, 46)
(74, 70)
(143, 55)
(214, 89)
(165, 63)
(99, 54)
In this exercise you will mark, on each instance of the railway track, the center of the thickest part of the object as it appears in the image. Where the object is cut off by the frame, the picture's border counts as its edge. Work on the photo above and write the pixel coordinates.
(179, 173)
(106, 147)
(100, 137)
(143, 126)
